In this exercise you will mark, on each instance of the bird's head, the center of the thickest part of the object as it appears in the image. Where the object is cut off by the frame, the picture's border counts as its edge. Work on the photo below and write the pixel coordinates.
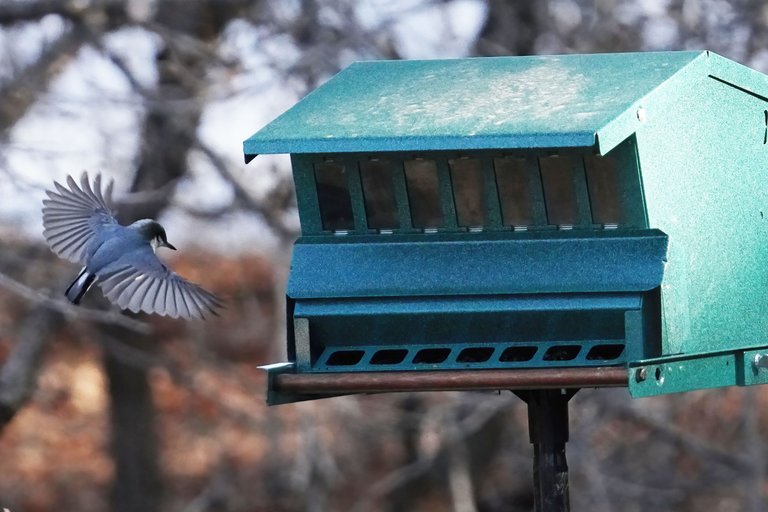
(153, 232)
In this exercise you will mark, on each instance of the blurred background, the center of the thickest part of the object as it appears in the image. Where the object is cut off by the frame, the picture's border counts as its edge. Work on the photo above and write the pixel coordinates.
(101, 411)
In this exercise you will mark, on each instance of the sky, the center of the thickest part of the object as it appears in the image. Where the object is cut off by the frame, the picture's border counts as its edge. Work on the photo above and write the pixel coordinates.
(87, 121)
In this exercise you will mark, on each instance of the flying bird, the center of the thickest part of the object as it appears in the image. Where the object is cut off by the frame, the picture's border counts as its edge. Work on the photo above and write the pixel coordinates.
(79, 225)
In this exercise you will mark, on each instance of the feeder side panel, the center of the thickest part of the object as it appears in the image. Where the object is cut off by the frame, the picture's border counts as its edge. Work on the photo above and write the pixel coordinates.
(704, 164)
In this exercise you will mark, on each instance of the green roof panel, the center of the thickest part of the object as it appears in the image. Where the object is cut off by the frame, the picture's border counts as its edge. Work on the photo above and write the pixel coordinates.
(475, 103)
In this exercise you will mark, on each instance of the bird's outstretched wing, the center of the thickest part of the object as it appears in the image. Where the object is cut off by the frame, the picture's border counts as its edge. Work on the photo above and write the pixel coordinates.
(73, 216)
(145, 284)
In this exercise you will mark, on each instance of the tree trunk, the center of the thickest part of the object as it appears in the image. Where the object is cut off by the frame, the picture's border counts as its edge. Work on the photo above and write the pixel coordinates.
(168, 134)
(138, 484)
(510, 28)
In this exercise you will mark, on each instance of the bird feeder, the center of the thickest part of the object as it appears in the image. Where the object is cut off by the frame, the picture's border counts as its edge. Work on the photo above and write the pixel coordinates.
(527, 223)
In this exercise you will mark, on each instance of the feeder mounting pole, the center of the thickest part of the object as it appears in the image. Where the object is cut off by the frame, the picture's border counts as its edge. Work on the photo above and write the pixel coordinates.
(548, 432)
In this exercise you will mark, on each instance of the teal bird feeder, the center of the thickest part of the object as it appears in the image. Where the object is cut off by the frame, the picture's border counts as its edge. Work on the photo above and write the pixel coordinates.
(528, 223)
(511, 213)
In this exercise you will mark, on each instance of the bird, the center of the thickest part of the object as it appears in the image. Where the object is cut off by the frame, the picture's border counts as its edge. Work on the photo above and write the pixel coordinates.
(79, 225)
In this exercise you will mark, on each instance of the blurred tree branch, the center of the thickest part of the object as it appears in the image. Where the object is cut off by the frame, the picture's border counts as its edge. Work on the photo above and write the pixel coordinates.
(481, 414)
(70, 311)
(19, 373)
(754, 447)
(663, 430)
(511, 27)
(24, 90)
(12, 13)
(265, 210)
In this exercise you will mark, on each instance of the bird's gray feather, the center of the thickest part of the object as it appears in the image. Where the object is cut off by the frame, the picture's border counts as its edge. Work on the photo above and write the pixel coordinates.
(160, 301)
(73, 217)
(138, 294)
(140, 282)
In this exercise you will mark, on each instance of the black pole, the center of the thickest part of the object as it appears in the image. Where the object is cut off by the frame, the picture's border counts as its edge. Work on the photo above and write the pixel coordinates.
(548, 431)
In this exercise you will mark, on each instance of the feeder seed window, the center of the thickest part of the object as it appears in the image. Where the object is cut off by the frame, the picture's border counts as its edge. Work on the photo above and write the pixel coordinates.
(424, 193)
(333, 196)
(604, 191)
(478, 193)
(379, 194)
(564, 191)
(468, 191)
(516, 190)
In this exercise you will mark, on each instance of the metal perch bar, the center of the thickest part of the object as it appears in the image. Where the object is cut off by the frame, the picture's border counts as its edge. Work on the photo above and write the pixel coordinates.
(466, 380)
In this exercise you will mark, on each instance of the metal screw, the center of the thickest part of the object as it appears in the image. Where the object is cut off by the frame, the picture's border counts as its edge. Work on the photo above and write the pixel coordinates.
(760, 361)
(641, 115)
(640, 374)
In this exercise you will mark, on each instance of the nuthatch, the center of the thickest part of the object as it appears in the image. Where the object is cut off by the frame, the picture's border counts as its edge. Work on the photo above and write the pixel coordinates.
(80, 226)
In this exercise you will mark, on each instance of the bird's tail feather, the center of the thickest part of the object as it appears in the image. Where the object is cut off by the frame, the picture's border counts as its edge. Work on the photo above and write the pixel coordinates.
(79, 286)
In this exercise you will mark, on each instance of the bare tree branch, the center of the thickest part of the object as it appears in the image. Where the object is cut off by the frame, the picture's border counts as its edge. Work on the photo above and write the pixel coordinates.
(70, 311)
(19, 12)
(19, 373)
(270, 215)
(482, 413)
(24, 90)
(206, 214)
(665, 431)
(459, 476)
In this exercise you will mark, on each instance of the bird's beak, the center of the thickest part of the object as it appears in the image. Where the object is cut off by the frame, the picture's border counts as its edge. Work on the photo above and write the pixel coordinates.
(166, 244)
